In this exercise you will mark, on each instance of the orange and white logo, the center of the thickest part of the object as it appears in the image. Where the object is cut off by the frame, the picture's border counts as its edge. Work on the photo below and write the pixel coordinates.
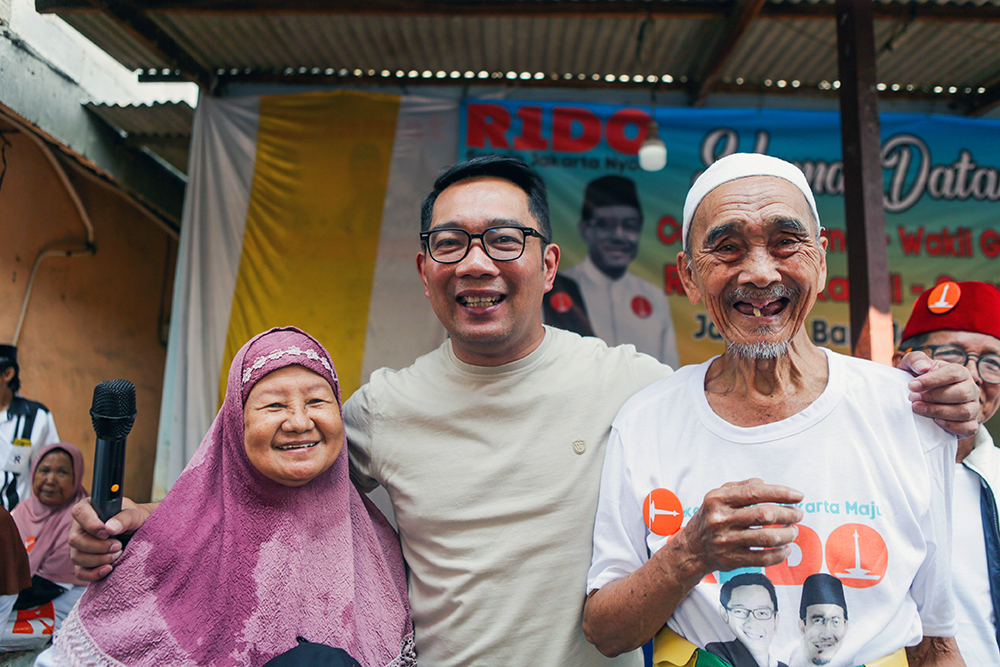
(662, 512)
(944, 297)
(806, 558)
(29, 543)
(857, 555)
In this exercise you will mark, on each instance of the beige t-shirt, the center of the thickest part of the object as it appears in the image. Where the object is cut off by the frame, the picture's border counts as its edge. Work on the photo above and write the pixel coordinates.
(493, 473)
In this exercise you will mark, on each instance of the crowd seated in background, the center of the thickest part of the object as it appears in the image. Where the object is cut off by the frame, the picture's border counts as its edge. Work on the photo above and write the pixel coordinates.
(262, 539)
(43, 521)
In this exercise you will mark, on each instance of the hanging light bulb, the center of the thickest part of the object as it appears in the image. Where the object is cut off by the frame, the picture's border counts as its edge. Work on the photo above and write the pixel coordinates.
(653, 152)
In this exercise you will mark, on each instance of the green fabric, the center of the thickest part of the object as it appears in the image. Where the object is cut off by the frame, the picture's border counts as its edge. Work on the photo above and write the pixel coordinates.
(706, 659)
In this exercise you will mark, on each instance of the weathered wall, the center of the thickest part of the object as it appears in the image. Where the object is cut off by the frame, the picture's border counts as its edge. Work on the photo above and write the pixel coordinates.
(89, 318)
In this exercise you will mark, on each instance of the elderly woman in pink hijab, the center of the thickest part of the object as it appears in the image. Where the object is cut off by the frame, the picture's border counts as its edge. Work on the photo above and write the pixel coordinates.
(262, 539)
(44, 520)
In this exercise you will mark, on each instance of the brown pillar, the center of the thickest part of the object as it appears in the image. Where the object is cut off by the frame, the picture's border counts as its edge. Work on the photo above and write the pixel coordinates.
(867, 258)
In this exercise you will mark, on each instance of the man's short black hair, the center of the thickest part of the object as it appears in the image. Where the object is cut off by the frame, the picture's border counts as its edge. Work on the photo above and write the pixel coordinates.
(611, 190)
(747, 579)
(508, 168)
(15, 382)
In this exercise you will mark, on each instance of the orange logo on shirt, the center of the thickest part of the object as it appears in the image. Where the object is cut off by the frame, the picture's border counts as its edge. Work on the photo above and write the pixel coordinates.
(857, 555)
(805, 559)
(662, 512)
(29, 543)
(944, 297)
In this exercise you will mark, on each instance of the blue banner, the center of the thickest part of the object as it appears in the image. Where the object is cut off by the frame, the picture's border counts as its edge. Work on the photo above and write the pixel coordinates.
(942, 203)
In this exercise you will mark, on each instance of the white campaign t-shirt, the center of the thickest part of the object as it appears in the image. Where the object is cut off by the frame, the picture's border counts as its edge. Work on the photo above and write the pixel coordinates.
(877, 481)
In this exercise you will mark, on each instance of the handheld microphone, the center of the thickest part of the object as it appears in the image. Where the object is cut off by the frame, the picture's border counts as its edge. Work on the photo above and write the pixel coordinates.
(113, 413)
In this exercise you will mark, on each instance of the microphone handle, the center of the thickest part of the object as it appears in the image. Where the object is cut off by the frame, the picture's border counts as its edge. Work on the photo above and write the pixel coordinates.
(109, 473)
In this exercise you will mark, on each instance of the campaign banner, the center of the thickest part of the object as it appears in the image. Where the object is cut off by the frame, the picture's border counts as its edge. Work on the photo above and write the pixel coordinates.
(619, 227)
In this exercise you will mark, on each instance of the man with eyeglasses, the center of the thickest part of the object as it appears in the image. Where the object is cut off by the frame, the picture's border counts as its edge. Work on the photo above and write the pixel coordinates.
(618, 306)
(960, 323)
(749, 606)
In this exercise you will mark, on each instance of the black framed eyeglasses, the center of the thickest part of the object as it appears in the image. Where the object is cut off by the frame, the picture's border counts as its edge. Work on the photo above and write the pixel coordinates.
(760, 613)
(988, 365)
(502, 244)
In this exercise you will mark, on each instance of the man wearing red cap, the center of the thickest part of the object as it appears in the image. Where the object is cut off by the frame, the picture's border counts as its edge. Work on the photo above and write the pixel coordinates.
(960, 323)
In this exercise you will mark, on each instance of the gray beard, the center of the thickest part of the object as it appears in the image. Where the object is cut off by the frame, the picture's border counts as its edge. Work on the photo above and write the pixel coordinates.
(758, 350)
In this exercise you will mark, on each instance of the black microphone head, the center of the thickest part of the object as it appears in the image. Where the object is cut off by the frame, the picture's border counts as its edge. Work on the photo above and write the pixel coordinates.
(113, 410)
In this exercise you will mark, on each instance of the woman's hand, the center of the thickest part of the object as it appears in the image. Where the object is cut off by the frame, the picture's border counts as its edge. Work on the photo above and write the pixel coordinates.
(91, 545)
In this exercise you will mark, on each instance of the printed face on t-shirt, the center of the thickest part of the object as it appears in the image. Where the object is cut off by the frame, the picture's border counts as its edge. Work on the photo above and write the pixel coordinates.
(751, 616)
(822, 629)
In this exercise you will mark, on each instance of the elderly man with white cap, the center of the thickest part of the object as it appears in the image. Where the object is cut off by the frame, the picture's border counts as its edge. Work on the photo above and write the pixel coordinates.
(777, 457)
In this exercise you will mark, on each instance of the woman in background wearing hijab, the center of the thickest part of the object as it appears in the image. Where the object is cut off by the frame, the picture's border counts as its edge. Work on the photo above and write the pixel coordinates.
(44, 520)
(263, 538)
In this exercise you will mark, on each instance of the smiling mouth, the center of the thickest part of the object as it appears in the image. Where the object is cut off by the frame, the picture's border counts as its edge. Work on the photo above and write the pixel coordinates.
(288, 448)
(481, 301)
(762, 309)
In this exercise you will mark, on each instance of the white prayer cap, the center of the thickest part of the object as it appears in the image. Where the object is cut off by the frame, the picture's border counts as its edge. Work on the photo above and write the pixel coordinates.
(741, 165)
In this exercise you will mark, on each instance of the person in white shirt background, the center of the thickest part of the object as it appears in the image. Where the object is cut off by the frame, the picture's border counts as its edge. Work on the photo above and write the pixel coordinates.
(960, 322)
(25, 427)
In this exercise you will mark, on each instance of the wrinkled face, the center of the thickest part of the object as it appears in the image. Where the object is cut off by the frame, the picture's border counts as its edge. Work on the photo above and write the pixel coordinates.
(491, 309)
(293, 429)
(612, 236)
(822, 630)
(54, 478)
(977, 344)
(753, 632)
(756, 262)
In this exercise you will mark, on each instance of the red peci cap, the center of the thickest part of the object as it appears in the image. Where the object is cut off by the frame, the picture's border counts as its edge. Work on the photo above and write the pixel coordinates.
(967, 306)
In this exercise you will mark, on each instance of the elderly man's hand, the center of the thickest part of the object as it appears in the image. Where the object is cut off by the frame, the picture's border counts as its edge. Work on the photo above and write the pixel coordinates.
(943, 391)
(91, 547)
(741, 524)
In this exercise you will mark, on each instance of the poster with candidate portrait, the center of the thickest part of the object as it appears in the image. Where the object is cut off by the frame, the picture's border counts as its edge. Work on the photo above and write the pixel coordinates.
(619, 227)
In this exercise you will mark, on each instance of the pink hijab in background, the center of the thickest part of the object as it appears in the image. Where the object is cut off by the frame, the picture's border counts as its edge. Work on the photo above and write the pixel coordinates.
(45, 528)
(233, 566)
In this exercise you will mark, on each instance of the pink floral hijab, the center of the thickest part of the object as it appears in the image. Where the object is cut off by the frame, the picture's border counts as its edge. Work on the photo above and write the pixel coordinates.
(233, 566)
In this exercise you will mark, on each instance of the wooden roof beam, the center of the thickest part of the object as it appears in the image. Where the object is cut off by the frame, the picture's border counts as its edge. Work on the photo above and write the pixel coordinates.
(149, 34)
(464, 8)
(552, 8)
(892, 11)
(740, 17)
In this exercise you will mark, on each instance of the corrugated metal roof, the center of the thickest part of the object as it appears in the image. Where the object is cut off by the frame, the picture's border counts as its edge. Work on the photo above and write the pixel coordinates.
(923, 53)
(163, 128)
(161, 119)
